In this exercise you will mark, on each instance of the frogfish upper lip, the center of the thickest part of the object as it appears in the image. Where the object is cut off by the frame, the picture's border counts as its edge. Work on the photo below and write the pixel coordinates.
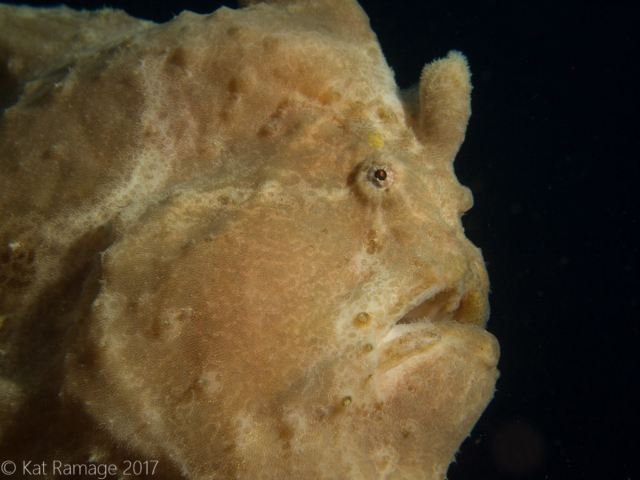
(438, 307)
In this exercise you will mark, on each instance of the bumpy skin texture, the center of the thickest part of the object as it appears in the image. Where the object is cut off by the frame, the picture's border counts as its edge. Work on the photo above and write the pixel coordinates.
(214, 234)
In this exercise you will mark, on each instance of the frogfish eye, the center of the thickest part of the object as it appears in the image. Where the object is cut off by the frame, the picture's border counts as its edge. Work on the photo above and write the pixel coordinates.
(380, 176)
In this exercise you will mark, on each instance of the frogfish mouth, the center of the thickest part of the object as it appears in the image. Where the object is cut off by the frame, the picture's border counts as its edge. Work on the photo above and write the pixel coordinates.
(438, 322)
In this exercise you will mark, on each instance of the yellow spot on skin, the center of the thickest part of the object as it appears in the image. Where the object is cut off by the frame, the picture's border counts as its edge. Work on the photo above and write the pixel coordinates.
(347, 401)
(375, 140)
(363, 318)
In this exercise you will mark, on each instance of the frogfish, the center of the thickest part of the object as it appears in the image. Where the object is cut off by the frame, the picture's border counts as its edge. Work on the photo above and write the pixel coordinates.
(231, 248)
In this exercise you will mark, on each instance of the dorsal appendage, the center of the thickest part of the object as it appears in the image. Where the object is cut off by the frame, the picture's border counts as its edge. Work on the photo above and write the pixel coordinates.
(445, 103)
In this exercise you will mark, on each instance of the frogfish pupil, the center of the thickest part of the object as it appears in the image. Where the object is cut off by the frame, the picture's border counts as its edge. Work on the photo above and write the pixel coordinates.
(380, 175)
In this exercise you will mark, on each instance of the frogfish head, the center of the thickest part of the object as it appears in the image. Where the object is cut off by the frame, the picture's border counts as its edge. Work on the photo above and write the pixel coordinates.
(299, 300)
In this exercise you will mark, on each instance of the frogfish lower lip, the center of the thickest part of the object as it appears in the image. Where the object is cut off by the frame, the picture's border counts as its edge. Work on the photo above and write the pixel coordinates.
(428, 347)
(405, 341)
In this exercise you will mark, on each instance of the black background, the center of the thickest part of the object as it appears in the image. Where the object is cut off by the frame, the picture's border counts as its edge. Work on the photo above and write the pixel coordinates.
(551, 156)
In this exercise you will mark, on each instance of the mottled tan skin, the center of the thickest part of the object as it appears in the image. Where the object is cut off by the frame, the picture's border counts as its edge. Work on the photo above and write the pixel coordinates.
(196, 266)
